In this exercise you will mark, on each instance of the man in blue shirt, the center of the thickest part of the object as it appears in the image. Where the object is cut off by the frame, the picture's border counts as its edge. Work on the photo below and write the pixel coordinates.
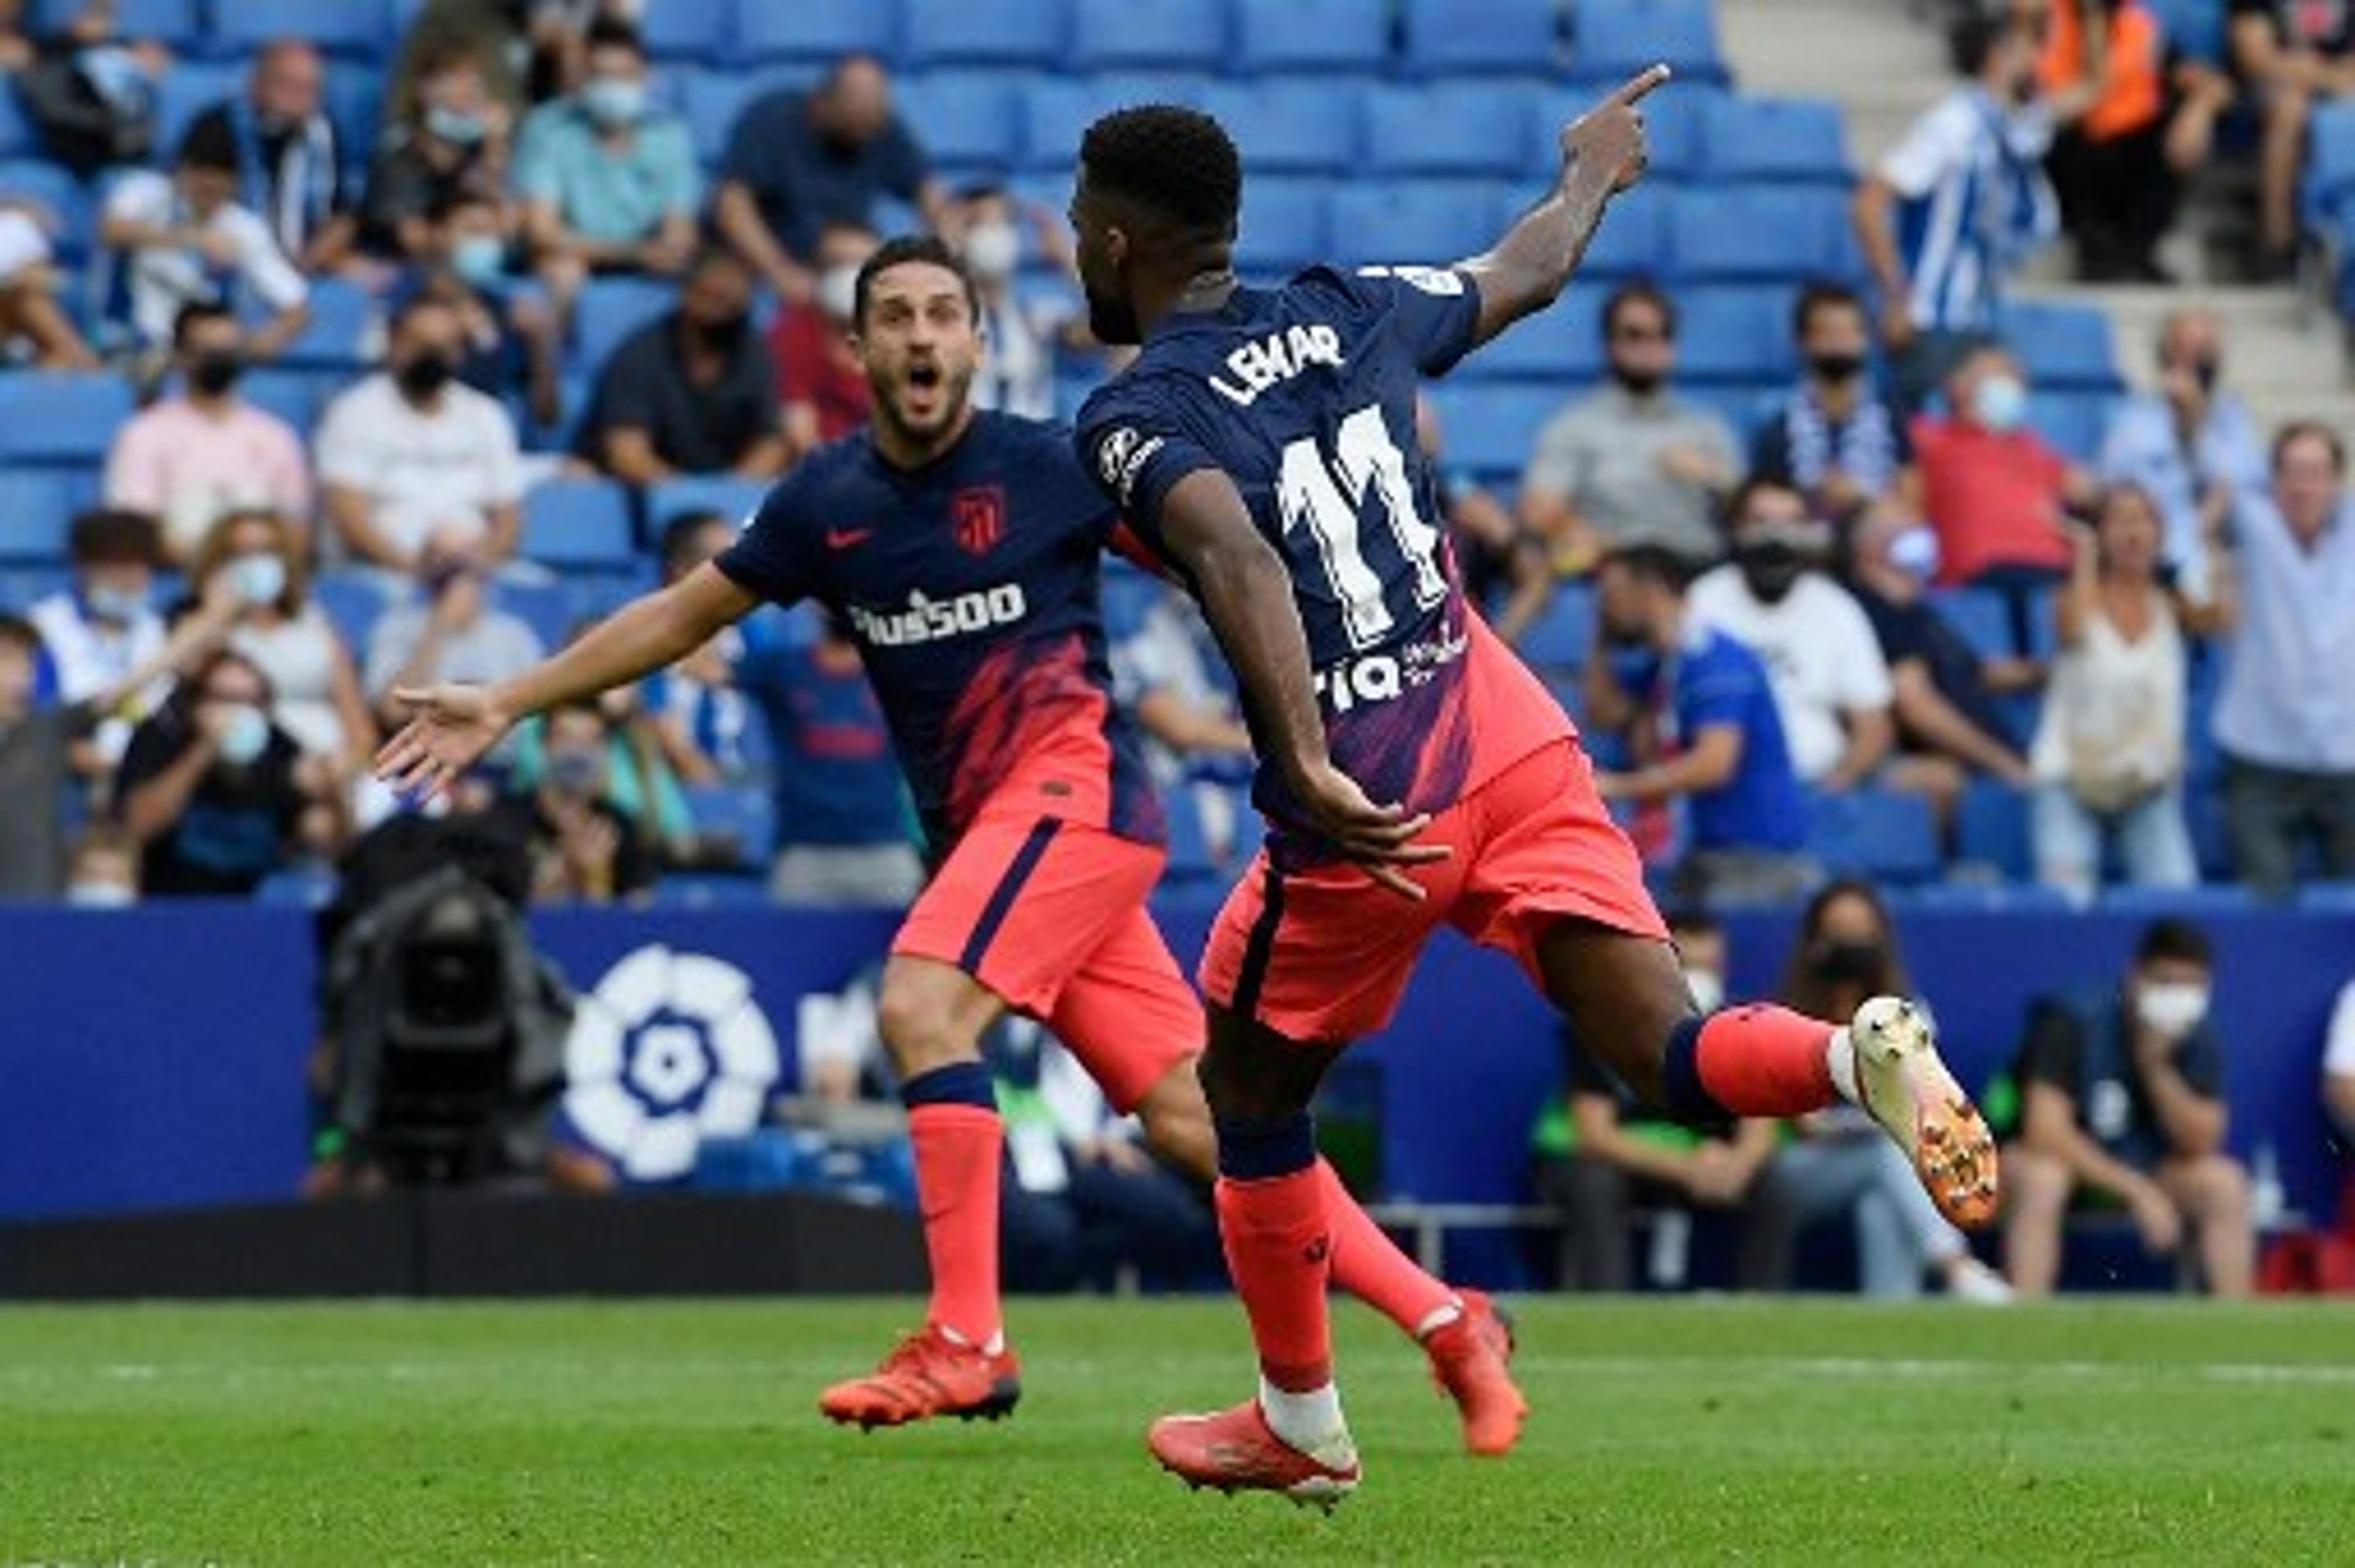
(1702, 714)
(2191, 443)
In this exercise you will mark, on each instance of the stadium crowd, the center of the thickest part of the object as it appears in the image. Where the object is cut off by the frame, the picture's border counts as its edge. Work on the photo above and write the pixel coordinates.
(388, 352)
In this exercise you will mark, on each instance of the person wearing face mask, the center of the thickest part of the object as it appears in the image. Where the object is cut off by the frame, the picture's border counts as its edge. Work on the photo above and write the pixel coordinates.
(822, 387)
(2123, 1096)
(212, 790)
(693, 391)
(448, 134)
(1960, 201)
(512, 337)
(104, 871)
(290, 156)
(2190, 443)
(191, 458)
(410, 451)
(607, 177)
(1835, 440)
(1996, 492)
(1017, 372)
(1776, 597)
(450, 629)
(798, 162)
(584, 850)
(1631, 462)
(103, 645)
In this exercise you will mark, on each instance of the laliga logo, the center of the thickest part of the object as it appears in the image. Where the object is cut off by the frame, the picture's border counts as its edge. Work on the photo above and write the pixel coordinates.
(669, 1049)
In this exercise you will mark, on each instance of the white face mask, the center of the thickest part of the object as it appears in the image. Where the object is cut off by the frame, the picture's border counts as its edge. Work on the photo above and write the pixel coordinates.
(1914, 552)
(992, 249)
(1707, 989)
(101, 895)
(2170, 1010)
(258, 579)
(838, 292)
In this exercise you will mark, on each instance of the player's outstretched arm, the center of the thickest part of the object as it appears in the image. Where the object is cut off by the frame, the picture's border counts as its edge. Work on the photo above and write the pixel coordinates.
(1246, 596)
(1603, 154)
(453, 726)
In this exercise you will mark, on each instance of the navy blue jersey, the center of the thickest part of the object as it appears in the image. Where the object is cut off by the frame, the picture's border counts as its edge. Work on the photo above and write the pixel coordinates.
(971, 588)
(1304, 396)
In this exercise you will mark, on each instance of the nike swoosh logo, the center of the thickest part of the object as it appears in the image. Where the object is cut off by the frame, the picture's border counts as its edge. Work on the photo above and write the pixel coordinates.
(843, 538)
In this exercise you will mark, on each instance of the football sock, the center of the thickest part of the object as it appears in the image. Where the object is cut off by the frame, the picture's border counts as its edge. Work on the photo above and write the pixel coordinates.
(1271, 1220)
(954, 1124)
(1754, 1060)
(1367, 1264)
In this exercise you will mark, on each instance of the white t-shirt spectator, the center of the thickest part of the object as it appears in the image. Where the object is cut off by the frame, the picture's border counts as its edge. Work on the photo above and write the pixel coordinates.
(1820, 655)
(162, 279)
(421, 470)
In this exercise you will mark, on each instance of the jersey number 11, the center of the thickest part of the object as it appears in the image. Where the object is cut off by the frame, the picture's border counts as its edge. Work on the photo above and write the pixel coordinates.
(1311, 491)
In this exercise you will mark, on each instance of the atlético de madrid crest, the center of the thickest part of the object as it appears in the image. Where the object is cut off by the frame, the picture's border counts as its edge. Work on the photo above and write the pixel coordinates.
(979, 519)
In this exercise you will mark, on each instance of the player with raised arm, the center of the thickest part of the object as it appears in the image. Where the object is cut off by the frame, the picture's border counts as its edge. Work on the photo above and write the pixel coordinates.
(963, 549)
(1262, 443)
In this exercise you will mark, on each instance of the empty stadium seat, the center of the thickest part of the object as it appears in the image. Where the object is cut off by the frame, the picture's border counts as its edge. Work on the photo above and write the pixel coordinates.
(985, 32)
(60, 418)
(2062, 346)
(733, 499)
(1561, 639)
(1991, 827)
(1673, 131)
(1613, 39)
(579, 526)
(1756, 234)
(1788, 139)
(1418, 221)
(745, 813)
(1880, 833)
(1447, 37)
(193, 86)
(1446, 128)
(1635, 241)
(1735, 334)
(1492, 425)
(36, 512)
(1283, 225)
(292, 395)
(174, 22)
(354, 601)
(1148, 35)
(19, 137)
(338, 336)
(49, 187)
(1981, 616)
(1561, 344)
(358, 29)
(1057, 111)
(966, 119)
(2193, 27)
(1310, 34)
(818, 30)
(1287, 125)
(711, 100)
(687, 29)
(613, 308)
(2074, 422)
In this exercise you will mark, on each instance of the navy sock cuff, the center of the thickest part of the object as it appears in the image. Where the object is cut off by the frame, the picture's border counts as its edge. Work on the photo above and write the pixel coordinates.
(958, 1083)
(1688, 1102)
(1259, 1151)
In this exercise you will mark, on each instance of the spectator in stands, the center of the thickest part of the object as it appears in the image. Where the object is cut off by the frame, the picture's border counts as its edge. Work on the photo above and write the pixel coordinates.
(692, 391)
(1847, 952)
(2109, 754)
(36, 766)
(695, 706)
(290, 156)
(608, 178)
(185, 239)
(638, 782)
(1835, 440)
(2293, 55)
(251, 592)
(104, 871)
(1021, 334)
(192, 458)
(90, 91)
(30, 316)
(1974, 202)
(1195, 740)
(1777, 597)
(2191, 445)
(408, 450)
(2125, 1095)
(2286, 721)
(2339, 1073)
(102, 641)
(1618, 1155)
(820, 382)
(1996, 492)
(218, 797)
(583, 850)
(1632, 462)
(451, 136)
(2134, 123)
(798, 161)
(513, 338)
(1505, 568)
(842, 811)
(1950, 725)
(1700, 718)
(450, 629)
(558, 35)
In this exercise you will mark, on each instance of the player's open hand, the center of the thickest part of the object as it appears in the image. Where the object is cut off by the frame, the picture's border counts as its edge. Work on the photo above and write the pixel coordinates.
(451, 729)
(1380, 839)
(1609, 137)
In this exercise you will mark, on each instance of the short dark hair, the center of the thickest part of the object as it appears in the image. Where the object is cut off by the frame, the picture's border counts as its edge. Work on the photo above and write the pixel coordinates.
(1179, 164)
(15, 632)
(1973, 37)
(683, 526)
(210, 144)
(608, 32)
(2302, 430)
(1651, 564)
(1641, 291)
(1750, 489)
(902, 248)
(1821, 294)
(194, 314)
(116, 534)
(2174, 939)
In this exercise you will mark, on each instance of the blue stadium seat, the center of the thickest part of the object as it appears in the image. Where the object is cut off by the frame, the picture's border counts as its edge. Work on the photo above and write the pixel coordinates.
(1446, 37)
(1673, 129)
(1636, 241)
(1884, 834)
(687, 29)
(1985, 897)
(193, 86)
(1296, 125)
(175, 22)
(48, 185)
(1791, 139)
(355, 95)
(1424, 222)
(1737, 333)
(1446, 128)
(1492, 425)
(733, 499)
(36, 512)
(1613, 39)
(985, 32)
(1562, 345)
(354, 601)
(1754, 234)
(2074, 422)
(819, 30)
(711, 100)
(306, 886)
(18, 138)
(2191, 903)
(1562, 638)
(966, 119)
(2193, 27)
(745, 812)
(1283, 225)
(613, 308)
(1310, 36)
(1991, 829)
(2062, 346)
(579, 526)
(1981, 616)
(1058, 111)
(354, 28)
(292, 396)
(545, 607)
(1148, 35)
(343, 316)
(60, 418)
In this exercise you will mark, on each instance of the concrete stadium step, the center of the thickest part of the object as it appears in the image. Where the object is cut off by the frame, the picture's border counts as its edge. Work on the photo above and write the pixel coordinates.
(2285, 353)
(1881, 64)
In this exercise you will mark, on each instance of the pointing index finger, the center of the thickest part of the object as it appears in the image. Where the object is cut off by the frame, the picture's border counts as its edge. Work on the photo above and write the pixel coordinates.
(1639, 86)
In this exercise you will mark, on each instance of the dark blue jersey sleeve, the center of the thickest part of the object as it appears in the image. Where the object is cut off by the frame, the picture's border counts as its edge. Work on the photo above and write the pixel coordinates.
(1136, 448)
(772, 557)
(1437, 310)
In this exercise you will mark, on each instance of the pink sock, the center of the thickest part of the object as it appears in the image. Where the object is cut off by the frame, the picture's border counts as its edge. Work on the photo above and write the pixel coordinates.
(957, 1149)
(1278, 1249)
(1370, 1265)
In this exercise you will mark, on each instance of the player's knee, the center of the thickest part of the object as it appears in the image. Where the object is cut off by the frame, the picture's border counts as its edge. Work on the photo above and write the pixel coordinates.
(920, 1029)
(1176, 1120)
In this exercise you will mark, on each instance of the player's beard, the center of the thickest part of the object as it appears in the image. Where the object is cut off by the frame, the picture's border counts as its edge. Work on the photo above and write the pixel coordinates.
(949, 396)
(1112, 318)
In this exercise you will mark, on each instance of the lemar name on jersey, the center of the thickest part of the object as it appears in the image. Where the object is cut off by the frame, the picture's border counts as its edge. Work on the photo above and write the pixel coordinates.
(1275, 359)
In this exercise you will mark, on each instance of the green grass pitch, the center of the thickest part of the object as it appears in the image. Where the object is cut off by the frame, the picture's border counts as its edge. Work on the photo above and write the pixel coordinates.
(1665, 1432)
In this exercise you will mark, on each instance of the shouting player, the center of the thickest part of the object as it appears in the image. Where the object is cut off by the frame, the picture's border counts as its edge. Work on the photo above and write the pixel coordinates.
(1262, 443)
(963, 549)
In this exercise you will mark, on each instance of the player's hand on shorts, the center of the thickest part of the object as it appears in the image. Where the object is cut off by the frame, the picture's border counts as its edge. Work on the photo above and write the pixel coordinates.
(1609, 137)
(451, 729)
(1380, 839)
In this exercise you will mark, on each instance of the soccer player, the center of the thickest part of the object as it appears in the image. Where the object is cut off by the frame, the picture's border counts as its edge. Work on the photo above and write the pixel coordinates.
(1262, 442)
(963, 549)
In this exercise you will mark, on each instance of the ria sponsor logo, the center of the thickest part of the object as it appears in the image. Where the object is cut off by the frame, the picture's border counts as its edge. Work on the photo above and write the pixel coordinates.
(1382, 677)
(937, 620)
